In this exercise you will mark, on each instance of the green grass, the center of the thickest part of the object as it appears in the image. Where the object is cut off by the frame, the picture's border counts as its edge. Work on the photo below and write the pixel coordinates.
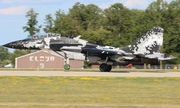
(88, 92)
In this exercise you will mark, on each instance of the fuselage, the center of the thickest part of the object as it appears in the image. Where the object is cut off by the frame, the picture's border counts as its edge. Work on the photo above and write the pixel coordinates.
(74, 47)
(144, 50)
(147, 46)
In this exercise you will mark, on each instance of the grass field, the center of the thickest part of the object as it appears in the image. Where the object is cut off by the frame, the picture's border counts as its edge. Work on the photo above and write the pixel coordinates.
(88, 92)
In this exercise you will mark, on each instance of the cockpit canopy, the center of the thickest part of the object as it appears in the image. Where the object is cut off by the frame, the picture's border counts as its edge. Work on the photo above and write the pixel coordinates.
(45, 35)
(42, 35)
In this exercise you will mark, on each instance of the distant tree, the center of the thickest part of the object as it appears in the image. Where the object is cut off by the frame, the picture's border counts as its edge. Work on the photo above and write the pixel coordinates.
(155, 13)
(119, 20)
(31, 25)
(17, 53)
(85, 17)
(140, 23)
(49, 23)
(4, 56)
(60, 21)
(94, 17)
(100, 36)
(78, 13)
(172, 39)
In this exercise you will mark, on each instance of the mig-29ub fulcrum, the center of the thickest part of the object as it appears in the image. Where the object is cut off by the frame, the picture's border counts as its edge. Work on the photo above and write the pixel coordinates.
(148, 46)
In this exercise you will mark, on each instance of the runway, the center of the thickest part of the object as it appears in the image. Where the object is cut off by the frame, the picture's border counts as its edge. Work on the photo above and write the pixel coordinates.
(92, 74)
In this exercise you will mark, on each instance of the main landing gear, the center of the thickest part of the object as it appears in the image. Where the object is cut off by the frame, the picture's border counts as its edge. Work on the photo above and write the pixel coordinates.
(105, 67)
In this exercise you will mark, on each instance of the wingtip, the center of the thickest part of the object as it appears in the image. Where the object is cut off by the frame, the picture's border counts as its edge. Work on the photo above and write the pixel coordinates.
(172, 57)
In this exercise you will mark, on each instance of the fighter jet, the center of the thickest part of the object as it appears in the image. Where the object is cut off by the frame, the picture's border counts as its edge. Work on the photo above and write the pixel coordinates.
(148, 46)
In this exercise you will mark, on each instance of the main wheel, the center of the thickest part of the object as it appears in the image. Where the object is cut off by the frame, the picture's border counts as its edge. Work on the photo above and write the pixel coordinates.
(109, 68)
(66, 66)
(105, 68)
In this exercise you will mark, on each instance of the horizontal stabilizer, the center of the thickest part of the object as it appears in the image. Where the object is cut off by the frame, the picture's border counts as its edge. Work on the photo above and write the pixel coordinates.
(160, 56)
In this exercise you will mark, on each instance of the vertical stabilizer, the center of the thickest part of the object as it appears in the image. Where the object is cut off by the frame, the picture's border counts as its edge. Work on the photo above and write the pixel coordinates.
(150, 43)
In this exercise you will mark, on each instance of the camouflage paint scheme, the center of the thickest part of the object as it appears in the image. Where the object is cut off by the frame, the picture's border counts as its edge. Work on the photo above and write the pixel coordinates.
(147, 46)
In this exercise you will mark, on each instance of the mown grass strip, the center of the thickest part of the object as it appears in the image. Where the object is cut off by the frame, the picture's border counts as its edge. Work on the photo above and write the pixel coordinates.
(128, 92)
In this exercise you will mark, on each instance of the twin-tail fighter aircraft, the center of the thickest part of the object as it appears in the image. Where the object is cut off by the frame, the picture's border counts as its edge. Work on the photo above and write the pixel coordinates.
(148, 46)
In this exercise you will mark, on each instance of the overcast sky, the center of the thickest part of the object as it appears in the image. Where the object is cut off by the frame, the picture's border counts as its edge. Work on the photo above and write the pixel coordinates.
(12, 13)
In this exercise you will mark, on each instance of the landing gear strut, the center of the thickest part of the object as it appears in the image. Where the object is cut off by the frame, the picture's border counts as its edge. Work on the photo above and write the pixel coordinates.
(66, 66)
(105, 67)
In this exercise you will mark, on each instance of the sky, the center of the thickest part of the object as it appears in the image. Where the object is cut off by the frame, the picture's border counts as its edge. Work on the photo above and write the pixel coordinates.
(13, 12)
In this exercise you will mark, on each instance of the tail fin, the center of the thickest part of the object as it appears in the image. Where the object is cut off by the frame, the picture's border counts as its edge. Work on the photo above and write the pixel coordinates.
(150, 43)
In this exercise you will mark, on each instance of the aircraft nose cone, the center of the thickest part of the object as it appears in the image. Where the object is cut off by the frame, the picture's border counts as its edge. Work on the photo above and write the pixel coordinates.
(7, 45)
(15, 45)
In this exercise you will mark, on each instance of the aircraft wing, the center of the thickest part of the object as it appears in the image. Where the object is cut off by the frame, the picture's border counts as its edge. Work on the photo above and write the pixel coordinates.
(126, 55)
(103, 51)
(109, 51)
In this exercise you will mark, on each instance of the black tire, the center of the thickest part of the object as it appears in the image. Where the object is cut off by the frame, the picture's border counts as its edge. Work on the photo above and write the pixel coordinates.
(109, 68)
(105, 68)
(66, 66)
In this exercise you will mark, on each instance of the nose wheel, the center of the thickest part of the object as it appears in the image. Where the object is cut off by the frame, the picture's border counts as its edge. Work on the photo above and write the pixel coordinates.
(66, 66)
(105, 68)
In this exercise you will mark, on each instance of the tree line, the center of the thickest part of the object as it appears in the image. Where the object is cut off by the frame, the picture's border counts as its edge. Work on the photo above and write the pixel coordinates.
(116, 25)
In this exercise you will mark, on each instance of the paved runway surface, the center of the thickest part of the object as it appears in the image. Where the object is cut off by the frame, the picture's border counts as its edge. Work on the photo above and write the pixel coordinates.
(69, 73)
